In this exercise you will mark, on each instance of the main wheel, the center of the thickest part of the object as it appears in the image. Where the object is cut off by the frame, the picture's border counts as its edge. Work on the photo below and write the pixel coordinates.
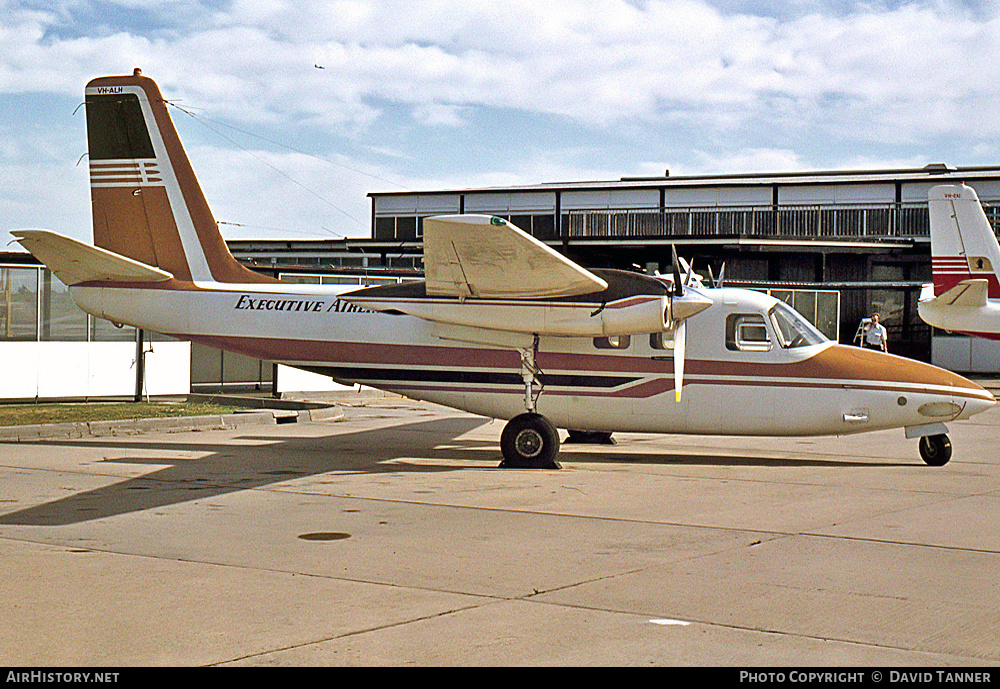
(935, 450)
(529, 441)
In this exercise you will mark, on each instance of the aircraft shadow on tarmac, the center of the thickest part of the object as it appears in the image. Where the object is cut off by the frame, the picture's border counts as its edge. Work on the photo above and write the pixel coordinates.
(226, 468)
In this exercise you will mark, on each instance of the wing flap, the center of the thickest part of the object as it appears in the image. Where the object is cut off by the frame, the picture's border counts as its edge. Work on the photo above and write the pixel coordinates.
(487, 257)
(74, 262)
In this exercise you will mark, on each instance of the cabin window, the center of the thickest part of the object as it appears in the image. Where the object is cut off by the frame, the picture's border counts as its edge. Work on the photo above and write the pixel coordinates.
(613, 342)
(747, 332)
(662, 340)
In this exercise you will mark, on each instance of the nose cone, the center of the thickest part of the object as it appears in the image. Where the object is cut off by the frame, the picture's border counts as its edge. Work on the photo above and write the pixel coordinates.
(977, 405)
(937, 388)
(970, 397)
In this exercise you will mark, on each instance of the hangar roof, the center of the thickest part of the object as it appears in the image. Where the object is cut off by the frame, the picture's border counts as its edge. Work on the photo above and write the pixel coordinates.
(933, 172)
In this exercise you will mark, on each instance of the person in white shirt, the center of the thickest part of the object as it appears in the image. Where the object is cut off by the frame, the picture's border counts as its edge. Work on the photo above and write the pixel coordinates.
(875, 334)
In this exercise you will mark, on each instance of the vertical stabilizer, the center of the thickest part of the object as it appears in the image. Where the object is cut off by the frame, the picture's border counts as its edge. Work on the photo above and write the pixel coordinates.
(963, 245)
(147, 203)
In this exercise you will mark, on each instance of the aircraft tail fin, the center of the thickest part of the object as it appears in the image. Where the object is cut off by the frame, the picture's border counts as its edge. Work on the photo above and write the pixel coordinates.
(963, 244)
(147, 203)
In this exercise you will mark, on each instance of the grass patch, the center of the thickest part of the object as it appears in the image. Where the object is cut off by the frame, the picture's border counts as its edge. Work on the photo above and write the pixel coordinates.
(26, 414)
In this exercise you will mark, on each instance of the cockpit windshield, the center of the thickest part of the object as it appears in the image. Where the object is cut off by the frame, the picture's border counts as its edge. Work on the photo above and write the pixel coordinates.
(793, 330)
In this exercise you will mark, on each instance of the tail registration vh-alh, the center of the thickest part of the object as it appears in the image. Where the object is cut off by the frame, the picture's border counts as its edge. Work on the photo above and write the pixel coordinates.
(502, 326)
(965, 257)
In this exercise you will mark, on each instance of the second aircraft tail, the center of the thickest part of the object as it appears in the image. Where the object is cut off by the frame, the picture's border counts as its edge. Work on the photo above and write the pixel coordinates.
(963, 245)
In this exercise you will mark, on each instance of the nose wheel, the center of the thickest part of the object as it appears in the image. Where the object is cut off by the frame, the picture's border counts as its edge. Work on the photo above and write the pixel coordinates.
(935, 450)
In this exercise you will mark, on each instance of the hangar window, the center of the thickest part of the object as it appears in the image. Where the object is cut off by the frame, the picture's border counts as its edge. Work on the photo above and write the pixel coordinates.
(18, 303)
(747, 332)
(613, 342)
(60, 319)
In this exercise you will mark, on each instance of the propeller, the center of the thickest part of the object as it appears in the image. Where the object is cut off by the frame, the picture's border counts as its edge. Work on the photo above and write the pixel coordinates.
(680, 342)
(678, 289)
(684, 303)
(716, 283)
(680, 329)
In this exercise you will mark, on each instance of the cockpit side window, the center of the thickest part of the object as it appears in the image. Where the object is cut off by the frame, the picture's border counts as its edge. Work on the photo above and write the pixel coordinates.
(747, 332)
(792, 329)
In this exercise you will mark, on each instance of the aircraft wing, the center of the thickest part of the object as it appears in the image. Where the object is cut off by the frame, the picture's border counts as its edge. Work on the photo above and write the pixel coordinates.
(967, 293)
(487, 257)
(74, 262)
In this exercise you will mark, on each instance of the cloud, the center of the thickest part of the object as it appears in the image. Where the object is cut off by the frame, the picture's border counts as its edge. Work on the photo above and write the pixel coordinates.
(598, 63)
(474, 92)
(747, 160)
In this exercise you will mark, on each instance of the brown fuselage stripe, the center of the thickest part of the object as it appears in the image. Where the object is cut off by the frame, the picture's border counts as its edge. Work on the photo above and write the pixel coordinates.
(821, 374)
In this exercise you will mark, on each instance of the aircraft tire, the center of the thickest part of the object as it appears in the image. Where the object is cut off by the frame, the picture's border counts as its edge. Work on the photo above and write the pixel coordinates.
(529, 441)
(935, 450)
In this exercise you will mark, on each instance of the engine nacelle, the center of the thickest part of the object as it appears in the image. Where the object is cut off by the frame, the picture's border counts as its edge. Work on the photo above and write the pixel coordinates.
(643, 314)
(629, 316)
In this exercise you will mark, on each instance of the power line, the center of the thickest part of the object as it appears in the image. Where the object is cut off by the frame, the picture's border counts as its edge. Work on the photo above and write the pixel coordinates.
(204, 121)
(290, 148)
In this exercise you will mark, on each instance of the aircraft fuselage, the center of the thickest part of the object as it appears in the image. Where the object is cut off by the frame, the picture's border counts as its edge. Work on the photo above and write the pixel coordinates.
(586, 383)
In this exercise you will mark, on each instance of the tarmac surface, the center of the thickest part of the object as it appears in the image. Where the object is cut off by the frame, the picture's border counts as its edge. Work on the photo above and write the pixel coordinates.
(388, 536)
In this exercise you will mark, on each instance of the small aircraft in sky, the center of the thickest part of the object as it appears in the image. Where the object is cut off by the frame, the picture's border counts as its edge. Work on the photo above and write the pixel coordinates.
(965, 257)
(501, 326)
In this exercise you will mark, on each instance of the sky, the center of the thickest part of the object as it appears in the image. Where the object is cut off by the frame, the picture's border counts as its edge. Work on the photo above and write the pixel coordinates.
(292, 112)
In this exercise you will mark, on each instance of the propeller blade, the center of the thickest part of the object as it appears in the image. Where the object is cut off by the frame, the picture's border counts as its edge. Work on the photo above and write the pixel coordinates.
(711, 276)
(722, 271)
(690, 268)
(678, 289)
(680, 341)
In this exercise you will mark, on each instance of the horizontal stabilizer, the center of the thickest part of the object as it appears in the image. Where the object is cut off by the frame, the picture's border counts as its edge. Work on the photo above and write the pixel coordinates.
(487, 257)
(968, 293)
(74, 262)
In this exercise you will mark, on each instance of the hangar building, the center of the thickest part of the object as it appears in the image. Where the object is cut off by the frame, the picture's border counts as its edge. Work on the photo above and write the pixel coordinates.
(836, 245)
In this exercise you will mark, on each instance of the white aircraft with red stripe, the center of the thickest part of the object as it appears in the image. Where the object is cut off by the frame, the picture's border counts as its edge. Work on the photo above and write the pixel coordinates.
(502, 326)
(965, 257)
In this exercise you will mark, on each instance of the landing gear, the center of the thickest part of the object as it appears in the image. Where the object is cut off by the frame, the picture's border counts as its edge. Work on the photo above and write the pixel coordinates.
(529, 441)
(935, 450)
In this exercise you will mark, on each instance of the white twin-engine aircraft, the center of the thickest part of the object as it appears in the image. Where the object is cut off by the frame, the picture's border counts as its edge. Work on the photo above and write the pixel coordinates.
(965, 257)
(502, 326)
